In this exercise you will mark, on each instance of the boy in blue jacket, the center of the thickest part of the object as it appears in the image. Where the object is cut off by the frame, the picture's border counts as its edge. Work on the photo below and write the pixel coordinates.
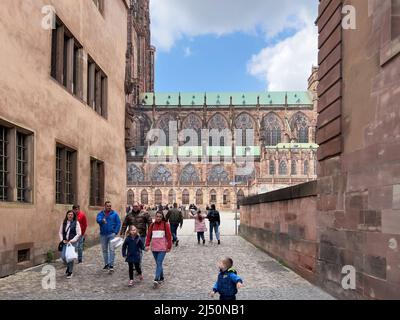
(110, 224)
(228, 281)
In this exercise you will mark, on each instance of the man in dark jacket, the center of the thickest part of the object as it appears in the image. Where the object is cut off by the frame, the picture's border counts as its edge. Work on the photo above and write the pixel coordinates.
(140, 219)
(215, 221)
(175, 219)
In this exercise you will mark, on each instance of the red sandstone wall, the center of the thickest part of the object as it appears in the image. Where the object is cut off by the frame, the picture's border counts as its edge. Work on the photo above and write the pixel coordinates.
(285, 229)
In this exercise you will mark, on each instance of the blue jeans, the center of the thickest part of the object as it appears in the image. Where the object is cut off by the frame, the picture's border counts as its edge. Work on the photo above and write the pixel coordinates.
(81, 243)
(108, 250)
(174, 231)
(159, 257)
(214, 225)
(70, 265)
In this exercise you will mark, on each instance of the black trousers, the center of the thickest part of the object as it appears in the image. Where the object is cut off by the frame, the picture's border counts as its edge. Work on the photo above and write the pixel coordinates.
(200, 235)
(133, 266)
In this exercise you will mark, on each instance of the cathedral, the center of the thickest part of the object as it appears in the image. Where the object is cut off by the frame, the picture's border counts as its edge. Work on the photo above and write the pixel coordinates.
(210, 148)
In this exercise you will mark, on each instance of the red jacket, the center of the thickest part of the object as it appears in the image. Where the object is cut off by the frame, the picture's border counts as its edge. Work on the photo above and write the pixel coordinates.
(160, 237)
(82, 221)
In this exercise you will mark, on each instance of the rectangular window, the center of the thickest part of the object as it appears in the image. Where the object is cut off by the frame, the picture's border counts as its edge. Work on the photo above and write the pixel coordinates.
(65, 59)
(65, 175)
(97, 88)
(3, 164)
(96, 183)
(16, 163)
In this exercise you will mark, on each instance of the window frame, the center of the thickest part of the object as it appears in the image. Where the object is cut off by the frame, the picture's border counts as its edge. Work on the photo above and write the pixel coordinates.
(18, 166)
(66, 185)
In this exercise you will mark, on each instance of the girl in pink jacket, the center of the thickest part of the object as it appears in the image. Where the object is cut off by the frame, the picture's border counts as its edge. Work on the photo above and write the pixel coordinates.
(200, 226)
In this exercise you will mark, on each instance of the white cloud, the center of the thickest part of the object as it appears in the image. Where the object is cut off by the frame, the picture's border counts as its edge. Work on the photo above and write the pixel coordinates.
(284, 66)
(287, 65)
(173, 19)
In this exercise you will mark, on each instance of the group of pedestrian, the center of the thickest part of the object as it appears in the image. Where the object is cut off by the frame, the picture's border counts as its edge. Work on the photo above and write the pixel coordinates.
(139, 233)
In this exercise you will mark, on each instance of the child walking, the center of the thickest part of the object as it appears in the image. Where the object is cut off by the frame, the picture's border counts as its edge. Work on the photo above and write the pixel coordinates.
(200, 226)
(228, 281)
(132, 251)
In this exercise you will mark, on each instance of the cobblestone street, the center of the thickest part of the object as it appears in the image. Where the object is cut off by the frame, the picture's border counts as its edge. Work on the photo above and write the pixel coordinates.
(190, 271)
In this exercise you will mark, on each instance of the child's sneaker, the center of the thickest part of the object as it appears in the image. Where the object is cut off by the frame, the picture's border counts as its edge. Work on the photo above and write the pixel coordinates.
(156, 284)
(69, 275)
(140, 277)
(204, 242)
(130, 284)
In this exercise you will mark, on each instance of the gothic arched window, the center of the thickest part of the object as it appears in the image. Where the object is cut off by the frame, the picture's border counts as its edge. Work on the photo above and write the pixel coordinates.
(272, 167)
(193, 122)
(137, 133)
(171, 196)
(130, 197)
(306, 167)
(144, 197)
(185, 197)
(164, 125)
(135, 174)
(300, 126)
(282, 168)
(189, 174)
(272, 129)
(240, 197)
(218, 122)
(226, 197)
(213, 196)
(161, 174)
(218, 174)
(293, 172)
(244, 122)
(158, 197)
(199, 197)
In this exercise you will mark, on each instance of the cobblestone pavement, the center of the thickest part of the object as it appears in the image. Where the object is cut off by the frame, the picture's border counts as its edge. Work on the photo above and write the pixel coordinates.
(190, 271)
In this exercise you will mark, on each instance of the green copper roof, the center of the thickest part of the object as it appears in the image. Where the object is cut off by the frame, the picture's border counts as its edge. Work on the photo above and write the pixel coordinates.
(215, 100)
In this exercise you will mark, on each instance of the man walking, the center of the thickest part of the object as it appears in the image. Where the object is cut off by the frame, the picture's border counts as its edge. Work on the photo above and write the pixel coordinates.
(175, 219)
(215, 221)
(81, 217)
(110, 224)
(140, 219)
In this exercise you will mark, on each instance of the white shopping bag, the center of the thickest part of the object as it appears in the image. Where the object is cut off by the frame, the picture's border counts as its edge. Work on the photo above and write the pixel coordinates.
(70, 253)
(117, 242)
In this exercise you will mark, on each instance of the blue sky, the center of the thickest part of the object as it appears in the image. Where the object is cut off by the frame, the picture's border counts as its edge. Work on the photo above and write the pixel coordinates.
(215, 46)
(211, 63)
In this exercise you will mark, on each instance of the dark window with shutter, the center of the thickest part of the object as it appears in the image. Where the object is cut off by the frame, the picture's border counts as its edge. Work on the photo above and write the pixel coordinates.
(96, 182)
(65, 175)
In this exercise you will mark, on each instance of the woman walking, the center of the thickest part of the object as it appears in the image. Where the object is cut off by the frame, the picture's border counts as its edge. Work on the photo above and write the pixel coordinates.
(159, 239)
(70, 232)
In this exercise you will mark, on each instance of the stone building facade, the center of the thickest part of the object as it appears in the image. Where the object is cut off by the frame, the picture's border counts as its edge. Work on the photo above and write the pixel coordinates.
(280, 150)
(62, 115)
